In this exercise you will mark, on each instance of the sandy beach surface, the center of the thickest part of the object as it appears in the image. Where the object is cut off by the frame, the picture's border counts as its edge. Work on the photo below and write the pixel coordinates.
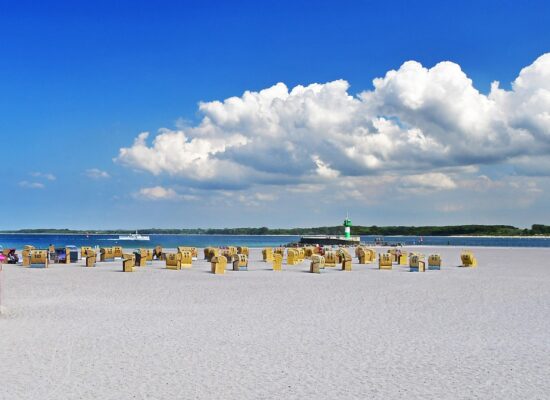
(71, 332)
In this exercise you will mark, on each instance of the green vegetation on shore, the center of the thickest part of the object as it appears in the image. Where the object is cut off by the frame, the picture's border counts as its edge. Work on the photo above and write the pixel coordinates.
(474, 230)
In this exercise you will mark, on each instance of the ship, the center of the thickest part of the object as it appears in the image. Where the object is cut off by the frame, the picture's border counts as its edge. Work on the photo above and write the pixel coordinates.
(134, 236)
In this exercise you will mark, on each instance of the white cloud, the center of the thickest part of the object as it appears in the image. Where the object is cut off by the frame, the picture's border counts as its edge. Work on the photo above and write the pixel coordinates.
(156, 193)
(95, 173)
(265, 196)
(432, 181)
(31, 185)
(417, 123)
(162, 193)
(324, 170)
(47, 176)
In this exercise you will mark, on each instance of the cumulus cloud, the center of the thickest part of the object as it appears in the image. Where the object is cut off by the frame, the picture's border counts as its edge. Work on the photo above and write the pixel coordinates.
(44, 175)
(31, 185)
(156, 193)
(162, 193)
(416, 123)
(95, 173)
(433, 181)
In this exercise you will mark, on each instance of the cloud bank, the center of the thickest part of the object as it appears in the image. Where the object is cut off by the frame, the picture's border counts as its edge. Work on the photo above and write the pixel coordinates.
(420, 124)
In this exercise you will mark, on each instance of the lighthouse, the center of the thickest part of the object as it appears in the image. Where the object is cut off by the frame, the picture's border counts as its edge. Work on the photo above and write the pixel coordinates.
(324, 240)
(347, 227)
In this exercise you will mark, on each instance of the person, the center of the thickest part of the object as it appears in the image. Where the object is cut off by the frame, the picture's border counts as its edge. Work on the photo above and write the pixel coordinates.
(157, 253)
(13, 258)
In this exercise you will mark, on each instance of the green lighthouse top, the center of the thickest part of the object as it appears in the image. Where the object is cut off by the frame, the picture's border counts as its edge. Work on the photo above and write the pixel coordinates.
(347, 221)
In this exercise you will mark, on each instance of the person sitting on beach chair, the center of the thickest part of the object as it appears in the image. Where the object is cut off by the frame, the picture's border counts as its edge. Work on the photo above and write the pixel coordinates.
(157, 253)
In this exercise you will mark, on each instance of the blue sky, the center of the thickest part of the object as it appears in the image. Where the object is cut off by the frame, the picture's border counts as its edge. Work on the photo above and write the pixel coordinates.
(79, 82)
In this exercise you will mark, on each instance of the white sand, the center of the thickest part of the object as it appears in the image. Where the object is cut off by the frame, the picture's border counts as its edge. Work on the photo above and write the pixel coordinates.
(80, 333)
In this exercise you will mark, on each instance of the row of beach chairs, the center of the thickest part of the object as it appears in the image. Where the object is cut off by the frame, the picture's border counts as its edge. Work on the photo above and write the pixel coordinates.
(330, 258)
(237, 257)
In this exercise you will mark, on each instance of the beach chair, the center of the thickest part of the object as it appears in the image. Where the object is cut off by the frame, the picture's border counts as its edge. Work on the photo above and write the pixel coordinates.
(292, 257)
(226, 253)
(317, 264)
(38, 258)
(468, 259)
(60, 256)
(394, 255)
(331, 258)
(158, 254)
(117, 251)
(403, 258)
(301, 254)
(149, 256)
(141, 257)
(277, 262)
(128, 262)
(309, 251)
(51, 253)
(240, 262)
(90, 257)
(26, 255)
(218, 265)
(106, 254)
(212, 252)
(366, 256)
(434, 262)
(232, 250)
(192, 250)
(83, 251)
(372, 255)
(243, 250)
(385, 261)
(186, 259)
(358, 250)
(345, 259)
(173, 260)
(280, 250)
(417, 263)
(267, 254)
(72, 254)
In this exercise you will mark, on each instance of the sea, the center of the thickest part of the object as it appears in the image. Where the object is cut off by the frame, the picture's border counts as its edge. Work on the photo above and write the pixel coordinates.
(18, 241)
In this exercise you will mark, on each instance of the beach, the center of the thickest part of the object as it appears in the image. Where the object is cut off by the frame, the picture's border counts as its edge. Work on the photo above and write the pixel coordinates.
(70, 332)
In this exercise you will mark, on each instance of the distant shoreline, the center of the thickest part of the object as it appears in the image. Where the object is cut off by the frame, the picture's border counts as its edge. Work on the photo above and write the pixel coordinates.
(268, 234)
(156, 234)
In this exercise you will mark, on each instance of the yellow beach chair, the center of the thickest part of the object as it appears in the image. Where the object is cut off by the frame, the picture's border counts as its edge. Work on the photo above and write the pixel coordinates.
(218, 265)
(317, 264)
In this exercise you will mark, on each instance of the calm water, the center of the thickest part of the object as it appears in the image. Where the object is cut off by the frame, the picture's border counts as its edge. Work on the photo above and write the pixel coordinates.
(171, 241)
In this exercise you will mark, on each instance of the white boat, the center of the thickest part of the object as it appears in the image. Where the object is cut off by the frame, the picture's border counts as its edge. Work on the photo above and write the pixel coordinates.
(134, 236)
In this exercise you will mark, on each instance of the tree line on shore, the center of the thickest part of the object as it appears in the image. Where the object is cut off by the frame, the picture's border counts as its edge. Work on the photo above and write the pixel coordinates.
(474, 230)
